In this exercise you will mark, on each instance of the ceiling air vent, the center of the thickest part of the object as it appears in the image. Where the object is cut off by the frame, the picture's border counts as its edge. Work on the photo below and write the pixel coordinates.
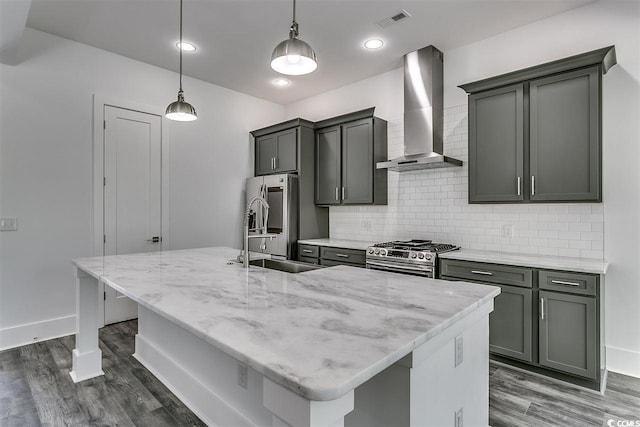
(398, 17)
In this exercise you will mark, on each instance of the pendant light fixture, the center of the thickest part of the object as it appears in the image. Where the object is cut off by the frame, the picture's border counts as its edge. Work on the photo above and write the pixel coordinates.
(181, 110)
(294, 56)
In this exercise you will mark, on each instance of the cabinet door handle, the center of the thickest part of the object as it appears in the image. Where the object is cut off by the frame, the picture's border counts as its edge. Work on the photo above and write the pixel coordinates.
(518, 186)
(342, 193)
(485, 273)
(541, 308)
(275, 163)
(562, 282)
(342, 256)
(533, 185)
(307, 251)
(337, 197)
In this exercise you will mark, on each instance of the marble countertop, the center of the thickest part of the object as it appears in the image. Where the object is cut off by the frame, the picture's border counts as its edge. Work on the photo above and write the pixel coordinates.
(583, 265)
(338, 243)
(320, 333)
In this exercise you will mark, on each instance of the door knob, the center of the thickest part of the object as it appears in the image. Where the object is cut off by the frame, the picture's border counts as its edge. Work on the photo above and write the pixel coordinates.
(154, 239)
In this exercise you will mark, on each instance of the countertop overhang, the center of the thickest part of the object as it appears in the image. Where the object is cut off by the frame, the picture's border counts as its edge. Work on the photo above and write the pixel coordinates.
(320, 333)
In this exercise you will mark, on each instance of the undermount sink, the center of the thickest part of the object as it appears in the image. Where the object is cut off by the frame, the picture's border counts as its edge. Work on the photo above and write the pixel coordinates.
(285, 265)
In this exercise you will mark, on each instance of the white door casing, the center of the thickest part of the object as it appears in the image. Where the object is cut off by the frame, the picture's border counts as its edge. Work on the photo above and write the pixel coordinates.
(132, 193)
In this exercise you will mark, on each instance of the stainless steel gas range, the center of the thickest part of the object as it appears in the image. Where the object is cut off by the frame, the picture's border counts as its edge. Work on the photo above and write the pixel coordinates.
(417, 257)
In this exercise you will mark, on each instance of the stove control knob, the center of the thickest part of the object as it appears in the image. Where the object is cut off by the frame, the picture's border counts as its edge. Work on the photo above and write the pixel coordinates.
(383, 252)
(370, 250)
(413, 255)
(377, 251)
(421, 255)
(428, 257)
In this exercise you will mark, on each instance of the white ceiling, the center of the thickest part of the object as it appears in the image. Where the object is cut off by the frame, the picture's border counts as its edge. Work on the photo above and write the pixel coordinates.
(235, 38)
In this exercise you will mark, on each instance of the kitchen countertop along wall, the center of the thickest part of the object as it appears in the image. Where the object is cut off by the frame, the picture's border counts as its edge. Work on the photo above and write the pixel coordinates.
(582, 265)
(339, 243)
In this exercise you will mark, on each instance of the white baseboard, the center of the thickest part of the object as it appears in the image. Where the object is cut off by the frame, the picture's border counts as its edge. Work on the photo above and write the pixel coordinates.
(623, 361)
(17, 336)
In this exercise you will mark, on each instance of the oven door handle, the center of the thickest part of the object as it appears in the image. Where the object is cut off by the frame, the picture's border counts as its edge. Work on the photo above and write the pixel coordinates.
(397, 267)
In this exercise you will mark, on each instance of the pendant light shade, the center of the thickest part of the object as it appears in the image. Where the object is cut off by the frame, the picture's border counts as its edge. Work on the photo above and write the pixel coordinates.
(181, 110)
(293, 56)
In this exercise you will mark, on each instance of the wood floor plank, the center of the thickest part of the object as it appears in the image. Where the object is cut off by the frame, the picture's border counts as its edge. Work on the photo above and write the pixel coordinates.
(54, 402)
(17, 407)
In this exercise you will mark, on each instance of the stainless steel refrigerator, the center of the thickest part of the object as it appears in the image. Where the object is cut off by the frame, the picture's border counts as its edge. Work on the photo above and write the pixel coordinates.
(281, 193)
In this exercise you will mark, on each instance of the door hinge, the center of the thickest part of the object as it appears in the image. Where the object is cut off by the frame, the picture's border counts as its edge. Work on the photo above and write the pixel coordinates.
(104, 181)
(104, 124)
(104, 295)
(104, 238)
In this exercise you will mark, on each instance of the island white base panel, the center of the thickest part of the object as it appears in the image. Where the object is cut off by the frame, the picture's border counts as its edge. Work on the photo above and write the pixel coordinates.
(423, 389)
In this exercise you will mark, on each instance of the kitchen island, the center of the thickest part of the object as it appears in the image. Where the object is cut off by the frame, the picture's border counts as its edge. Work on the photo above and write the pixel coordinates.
(330, 347)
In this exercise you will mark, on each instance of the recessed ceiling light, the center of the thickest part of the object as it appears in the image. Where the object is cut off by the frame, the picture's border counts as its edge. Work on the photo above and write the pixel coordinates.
(281, 82)
(186, 46)
(373, 44)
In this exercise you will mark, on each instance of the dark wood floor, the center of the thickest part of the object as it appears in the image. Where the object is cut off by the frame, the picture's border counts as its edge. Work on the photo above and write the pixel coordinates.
(36, 390)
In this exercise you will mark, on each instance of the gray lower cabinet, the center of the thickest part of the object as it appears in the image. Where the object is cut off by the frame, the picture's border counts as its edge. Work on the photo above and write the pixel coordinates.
(568, 331)
(276, 152)
(510, 324)
(544, 320)
(535, 134)
(331, 256)
(347, 150)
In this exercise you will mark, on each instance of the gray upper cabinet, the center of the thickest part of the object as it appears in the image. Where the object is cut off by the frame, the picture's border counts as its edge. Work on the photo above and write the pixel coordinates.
(496, 144)
(276, 152)
(328, 166)
(565, 137)
(347, 150)
(535, 134)
(357, 158)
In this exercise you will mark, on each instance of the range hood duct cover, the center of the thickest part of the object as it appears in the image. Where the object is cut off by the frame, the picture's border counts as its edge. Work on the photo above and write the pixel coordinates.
(423, 114)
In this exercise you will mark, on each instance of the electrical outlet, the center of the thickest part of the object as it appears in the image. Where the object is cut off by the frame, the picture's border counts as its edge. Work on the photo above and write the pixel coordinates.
(242, 376)
(458, 350)
(507, 230)
(9, 223)
(458, 418)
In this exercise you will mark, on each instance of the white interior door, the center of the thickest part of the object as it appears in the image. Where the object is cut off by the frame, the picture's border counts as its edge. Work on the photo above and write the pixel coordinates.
(132, 189)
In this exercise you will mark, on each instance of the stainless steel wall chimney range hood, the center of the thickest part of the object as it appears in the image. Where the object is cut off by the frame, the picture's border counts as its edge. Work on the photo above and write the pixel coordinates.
(423, 115)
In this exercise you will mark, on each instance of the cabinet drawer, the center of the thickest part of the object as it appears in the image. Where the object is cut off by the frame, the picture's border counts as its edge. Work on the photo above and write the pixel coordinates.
(330, 263)
(309, 260)
(343, 256)
(573, 283)
(308, 250)
(486, 273)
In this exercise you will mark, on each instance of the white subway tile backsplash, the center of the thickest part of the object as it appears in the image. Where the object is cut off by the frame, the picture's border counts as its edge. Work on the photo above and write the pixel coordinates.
(433, 204)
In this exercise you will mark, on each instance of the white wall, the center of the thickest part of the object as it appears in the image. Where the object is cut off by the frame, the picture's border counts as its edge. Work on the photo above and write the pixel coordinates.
(434, 200)
(46, 169)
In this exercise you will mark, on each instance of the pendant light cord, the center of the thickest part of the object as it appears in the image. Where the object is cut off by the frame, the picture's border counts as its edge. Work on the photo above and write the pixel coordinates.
(294, 11)
(180, 45)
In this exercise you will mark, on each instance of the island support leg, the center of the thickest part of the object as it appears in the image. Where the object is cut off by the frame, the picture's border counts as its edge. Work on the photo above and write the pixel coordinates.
(290, 409)
(87, 356)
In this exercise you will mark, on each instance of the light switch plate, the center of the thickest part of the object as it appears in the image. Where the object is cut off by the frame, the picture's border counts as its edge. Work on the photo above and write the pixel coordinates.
(242, 376)
(458, 418)
(459, 350)
(8, 223)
